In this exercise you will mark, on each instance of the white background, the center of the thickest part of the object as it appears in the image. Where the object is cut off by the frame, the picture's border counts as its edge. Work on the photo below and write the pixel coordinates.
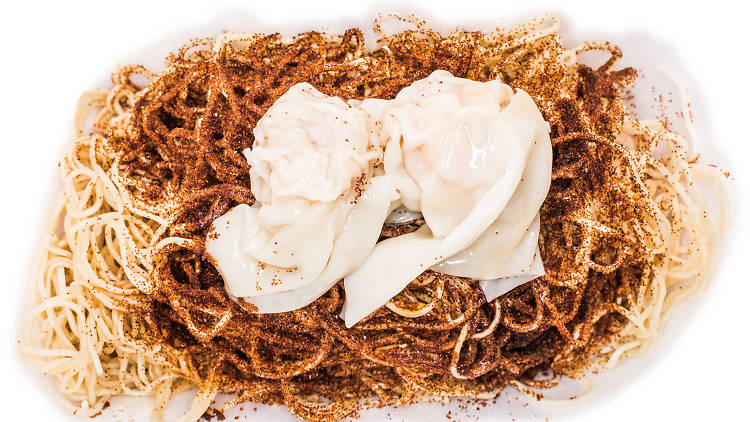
(51, 52)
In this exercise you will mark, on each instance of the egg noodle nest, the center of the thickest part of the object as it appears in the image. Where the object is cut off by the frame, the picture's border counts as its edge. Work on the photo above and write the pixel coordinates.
(128, 302)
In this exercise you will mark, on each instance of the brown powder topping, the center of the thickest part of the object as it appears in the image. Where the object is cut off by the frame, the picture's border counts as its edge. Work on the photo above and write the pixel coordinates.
(190, 127)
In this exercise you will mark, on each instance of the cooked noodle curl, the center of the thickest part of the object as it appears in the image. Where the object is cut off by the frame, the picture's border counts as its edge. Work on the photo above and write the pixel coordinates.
(128, 302)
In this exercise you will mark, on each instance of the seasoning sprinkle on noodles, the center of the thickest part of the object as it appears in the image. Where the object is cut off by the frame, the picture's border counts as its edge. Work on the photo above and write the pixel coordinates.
(128, 301)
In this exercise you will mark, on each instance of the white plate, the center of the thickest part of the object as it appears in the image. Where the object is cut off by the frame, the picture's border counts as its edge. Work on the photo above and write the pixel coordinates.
(692, 373)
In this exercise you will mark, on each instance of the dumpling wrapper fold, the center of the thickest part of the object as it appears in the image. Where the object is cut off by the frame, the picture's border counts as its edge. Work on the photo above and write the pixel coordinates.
(395, 262)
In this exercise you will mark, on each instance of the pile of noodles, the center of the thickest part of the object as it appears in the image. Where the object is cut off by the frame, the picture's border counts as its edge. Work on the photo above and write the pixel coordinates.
(127, 302)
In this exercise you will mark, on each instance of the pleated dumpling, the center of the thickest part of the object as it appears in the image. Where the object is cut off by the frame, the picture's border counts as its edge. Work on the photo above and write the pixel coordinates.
(318, 209)
(457, 150)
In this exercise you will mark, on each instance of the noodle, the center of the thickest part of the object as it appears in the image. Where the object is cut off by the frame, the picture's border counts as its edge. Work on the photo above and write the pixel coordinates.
(128, 302)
